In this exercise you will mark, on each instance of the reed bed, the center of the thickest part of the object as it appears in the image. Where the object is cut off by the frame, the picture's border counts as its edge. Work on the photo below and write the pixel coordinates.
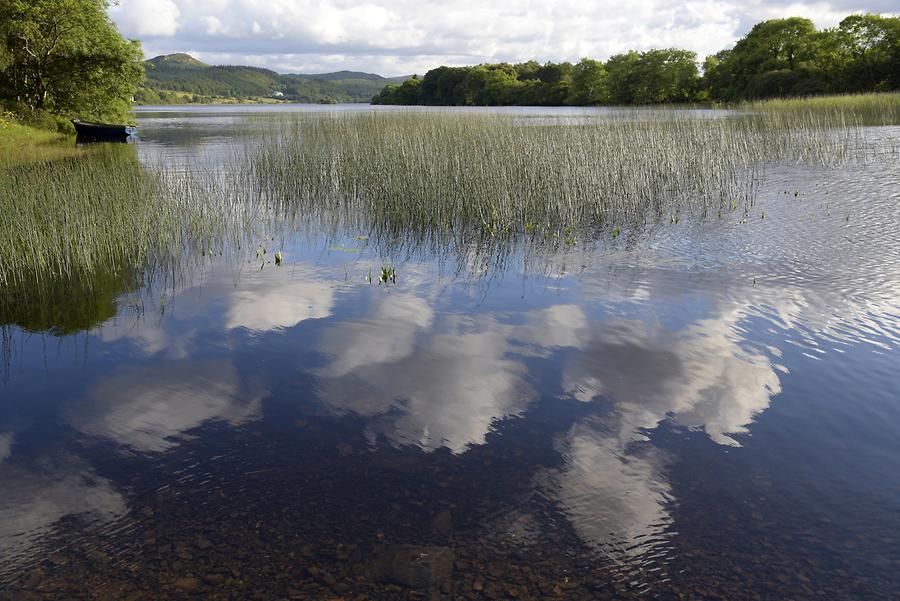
(72, 226)
(473, 186)
(844, 110)
(436, 175)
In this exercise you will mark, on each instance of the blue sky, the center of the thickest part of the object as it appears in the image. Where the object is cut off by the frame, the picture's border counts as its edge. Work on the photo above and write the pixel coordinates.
(399, 37)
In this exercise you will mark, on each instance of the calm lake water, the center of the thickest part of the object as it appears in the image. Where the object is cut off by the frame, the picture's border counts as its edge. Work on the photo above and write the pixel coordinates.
(706, 409)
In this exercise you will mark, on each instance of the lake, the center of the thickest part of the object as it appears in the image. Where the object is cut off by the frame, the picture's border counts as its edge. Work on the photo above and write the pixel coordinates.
(702, 408)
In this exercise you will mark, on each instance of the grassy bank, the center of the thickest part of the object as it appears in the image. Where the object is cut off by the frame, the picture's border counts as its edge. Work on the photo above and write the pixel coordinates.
(22, 144)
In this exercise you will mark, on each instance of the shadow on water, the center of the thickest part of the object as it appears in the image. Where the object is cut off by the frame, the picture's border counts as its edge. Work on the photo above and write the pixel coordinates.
(87, 139)
(68, 305)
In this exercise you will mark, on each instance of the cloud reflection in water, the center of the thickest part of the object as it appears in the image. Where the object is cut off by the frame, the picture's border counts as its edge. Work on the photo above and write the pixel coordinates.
(146, 407)
(450, 381)
(446, 380)
(41, 491)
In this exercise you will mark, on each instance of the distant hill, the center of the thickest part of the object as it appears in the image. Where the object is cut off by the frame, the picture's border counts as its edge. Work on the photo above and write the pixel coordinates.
(176, 78)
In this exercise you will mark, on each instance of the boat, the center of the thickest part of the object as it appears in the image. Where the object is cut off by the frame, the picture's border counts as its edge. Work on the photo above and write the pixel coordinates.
(103, 131)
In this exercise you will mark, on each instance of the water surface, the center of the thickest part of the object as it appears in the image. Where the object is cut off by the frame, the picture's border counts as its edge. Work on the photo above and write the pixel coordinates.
(707, 409)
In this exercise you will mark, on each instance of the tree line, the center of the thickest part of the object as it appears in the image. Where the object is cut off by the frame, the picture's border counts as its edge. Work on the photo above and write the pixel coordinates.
(777, 58)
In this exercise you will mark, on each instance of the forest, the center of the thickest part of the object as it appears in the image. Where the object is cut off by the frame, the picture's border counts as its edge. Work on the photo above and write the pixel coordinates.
(777, 58)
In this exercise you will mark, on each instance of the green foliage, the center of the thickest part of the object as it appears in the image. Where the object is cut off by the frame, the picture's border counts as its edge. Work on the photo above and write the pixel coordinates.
(788, 57)
(777, 58)
(409, 92)
(66, 57)
(499, 84)
(653, 77)
(590, 83)
(868, 53)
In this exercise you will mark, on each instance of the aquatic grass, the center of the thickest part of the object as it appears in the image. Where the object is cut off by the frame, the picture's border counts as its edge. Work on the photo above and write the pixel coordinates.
(476, 188)
(840, 110)
(451, 177)
(71, 222)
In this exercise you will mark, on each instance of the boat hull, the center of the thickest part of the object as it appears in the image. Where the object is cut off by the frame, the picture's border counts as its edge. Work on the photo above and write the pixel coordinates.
(103, 131)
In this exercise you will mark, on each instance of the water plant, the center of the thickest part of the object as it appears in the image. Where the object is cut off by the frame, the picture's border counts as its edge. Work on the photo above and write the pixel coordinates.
(91, 217)
(477, 186)
(388, 275)
(451, 177)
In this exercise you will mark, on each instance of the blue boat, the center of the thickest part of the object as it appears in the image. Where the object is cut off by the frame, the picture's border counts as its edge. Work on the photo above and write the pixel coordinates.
(103, 131)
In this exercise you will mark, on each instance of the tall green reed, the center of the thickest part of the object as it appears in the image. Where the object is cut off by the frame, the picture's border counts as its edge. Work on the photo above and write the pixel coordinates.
(439, 174)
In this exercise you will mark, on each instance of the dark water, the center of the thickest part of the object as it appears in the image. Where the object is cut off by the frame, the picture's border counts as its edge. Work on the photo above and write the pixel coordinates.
(703, 410)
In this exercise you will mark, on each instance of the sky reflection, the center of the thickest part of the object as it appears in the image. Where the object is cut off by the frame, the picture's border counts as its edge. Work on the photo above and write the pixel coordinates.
(698, 330)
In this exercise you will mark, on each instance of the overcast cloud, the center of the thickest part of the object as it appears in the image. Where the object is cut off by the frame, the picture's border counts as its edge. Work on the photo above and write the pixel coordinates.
(398, 37)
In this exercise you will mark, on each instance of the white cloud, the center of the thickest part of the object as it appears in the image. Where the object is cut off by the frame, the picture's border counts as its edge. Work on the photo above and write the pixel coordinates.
(406, 36)
(699, 375)
(616, 498)
(388, 335)
(445, 390)
(147, 18)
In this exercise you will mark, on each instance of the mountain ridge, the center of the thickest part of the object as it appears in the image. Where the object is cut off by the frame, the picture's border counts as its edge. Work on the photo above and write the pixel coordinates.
(179, 77)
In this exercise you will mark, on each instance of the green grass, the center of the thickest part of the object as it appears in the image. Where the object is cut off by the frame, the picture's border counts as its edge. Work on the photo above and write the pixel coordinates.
(850, 109)
(21, 144)
(445, 183)
(453, 175)
(71, 222)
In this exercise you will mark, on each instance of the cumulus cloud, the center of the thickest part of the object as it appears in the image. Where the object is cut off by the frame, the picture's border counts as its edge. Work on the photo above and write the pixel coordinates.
(613, 485)
(441, 386)
(616, 498)
(147, 18)
(405, 36)
(698, 375)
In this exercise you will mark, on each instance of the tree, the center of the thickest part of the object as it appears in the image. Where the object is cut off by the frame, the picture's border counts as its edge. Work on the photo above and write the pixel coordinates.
(666, 75)
(491, 85)
(775, 45)
(555, 87)
(66, 57)
(589, 83)
(868, 52)
(444, 86)
(779, 57)
(715, 75)
(409, 92)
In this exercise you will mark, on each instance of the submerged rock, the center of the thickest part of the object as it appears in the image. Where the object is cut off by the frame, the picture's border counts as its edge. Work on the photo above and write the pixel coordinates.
(187, 584)
(442, 523)
(203, 544)
(413, 566)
